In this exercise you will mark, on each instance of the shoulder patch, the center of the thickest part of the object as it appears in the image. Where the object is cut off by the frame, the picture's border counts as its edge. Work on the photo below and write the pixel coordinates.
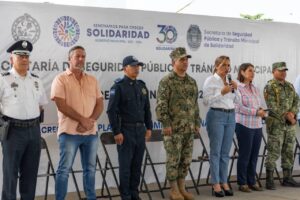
(118, 80)
(5, 73)
(36, 76)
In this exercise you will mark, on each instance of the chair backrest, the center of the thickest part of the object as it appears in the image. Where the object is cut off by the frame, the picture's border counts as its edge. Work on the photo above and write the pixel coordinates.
(107, 138)
(156, 136)
(43, 143)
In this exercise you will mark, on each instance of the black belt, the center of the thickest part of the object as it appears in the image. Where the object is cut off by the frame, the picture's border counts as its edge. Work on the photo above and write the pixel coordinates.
(136, 124)
(22, 123)
(223, 110)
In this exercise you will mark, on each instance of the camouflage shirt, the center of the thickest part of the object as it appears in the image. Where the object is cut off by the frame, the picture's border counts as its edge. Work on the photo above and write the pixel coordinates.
(177, 103)
(280, 98)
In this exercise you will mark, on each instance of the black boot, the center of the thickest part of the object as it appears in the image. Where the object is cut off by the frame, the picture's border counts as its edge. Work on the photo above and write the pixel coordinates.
(288, 179)
(270, 180)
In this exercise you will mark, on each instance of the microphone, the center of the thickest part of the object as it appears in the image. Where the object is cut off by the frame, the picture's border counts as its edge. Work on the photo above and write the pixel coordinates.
(230, 82)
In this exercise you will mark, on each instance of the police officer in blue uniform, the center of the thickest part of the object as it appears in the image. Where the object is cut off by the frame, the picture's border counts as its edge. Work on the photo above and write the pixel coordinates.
(21, 98)
(130, 117)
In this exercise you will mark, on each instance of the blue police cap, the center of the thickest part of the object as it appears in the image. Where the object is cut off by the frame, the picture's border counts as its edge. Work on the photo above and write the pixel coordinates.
(131, 60)
(21, 47)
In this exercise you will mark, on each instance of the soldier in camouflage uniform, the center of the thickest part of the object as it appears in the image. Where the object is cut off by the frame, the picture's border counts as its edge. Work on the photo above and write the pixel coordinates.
(178, 111)
(282, 101)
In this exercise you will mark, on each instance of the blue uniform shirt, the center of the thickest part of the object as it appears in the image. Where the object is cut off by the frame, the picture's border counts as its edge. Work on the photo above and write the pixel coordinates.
(128, 103)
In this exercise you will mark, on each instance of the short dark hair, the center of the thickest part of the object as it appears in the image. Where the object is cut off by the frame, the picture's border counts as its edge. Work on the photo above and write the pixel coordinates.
(243, 67)
(73, 49)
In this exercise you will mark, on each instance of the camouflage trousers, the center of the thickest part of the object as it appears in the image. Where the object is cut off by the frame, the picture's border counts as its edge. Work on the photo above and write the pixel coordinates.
(281, 140)
(179, 150)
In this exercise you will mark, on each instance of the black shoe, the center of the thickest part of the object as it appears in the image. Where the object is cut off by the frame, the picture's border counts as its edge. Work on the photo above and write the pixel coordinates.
(290, 182)
(217, 193)
(270, 186)
(228, 192)
(270, 180)
(136, 198)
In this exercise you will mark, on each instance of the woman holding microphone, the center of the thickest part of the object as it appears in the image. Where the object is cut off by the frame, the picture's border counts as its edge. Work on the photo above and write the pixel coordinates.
(219, 95)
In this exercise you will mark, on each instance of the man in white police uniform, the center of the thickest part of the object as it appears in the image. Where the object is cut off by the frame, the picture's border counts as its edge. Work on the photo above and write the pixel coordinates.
(21, 98)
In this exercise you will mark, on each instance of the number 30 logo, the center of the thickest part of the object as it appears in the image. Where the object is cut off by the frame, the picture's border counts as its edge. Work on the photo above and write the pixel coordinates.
(168, 34)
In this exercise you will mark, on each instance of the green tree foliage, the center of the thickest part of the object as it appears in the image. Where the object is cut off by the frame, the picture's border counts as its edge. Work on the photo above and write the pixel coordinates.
(258, 16)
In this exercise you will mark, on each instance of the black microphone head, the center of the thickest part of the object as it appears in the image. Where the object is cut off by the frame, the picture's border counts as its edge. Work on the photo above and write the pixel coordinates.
(229, 77)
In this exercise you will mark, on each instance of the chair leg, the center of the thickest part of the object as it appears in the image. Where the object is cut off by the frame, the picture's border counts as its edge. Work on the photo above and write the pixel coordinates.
(104, 183)
(156, 176)
(76, 185)
(47, 182)
(146, 187)
(193, 180)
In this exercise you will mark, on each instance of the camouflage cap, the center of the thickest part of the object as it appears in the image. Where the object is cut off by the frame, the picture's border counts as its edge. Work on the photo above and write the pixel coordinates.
(178, 53)
(279, 66)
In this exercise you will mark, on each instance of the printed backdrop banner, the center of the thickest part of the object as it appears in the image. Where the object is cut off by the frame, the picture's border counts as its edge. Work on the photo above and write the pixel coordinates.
(109, 35)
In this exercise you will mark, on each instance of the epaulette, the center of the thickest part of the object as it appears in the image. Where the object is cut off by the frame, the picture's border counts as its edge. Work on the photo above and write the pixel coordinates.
(140, 81)
(5, 73)
(119, 80)
(36, 76)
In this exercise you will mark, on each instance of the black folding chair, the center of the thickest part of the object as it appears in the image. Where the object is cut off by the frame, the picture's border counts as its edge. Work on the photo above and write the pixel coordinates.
(104, 183)
(51, 172)
(200, 160)
(148, 161)
(203, 158)
(50, 169)
(296, 153)
(234, 157)
(155, 137)
(263, 157)
(107, 139)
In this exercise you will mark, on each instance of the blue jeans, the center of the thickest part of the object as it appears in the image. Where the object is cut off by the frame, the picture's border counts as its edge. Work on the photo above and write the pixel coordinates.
(68, 145)
(220, 128)
(249, 140)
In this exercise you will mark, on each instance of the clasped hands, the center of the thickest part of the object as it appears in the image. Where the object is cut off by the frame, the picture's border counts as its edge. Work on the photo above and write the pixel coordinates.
(85, 124)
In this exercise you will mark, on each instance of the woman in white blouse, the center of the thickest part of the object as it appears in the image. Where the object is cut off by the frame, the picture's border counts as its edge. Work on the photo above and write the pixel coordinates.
(219, 95)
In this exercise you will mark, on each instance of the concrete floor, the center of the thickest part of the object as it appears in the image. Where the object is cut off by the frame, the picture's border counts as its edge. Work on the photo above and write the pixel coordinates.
(282, 193)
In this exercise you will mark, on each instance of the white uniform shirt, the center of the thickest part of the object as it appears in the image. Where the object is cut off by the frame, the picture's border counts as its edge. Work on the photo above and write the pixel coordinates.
(20, 97)
(212, 96)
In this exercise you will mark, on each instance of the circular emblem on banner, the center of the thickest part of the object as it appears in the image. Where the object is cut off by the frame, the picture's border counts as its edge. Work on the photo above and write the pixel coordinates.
(194, 37)
(26, 28)
(168, 34)
(66, 31)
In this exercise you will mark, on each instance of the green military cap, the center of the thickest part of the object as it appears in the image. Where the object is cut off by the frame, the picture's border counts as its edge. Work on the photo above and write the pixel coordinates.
(279, 66)
(178, 53)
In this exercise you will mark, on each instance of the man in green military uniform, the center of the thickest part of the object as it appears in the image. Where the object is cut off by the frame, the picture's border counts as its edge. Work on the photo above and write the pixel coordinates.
(282, 101)
(178, 111)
